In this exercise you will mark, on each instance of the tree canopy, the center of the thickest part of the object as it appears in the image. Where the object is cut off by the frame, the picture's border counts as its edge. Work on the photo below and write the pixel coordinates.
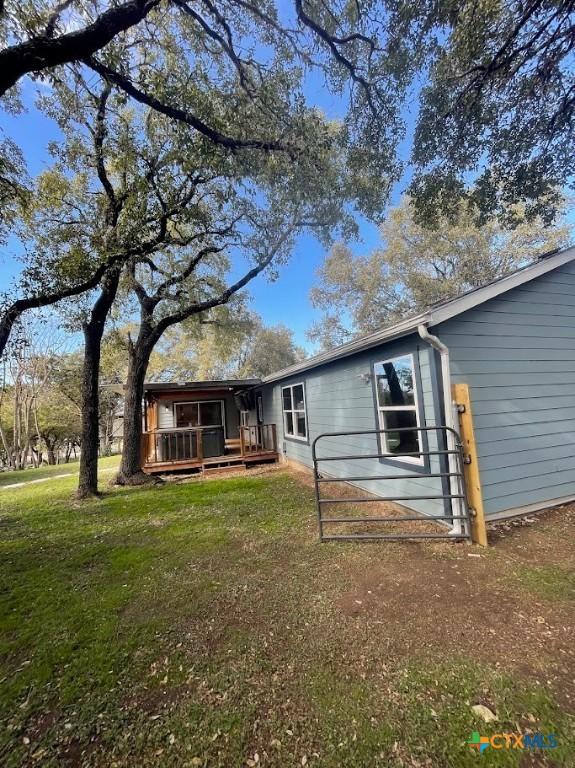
(499, 108)
(229, 80)
(416, 267)
(491, 85)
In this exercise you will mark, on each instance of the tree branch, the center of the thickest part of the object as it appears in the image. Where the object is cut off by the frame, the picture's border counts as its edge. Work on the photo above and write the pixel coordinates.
(11, 314)
(40, 53)
(181, 115)
(225, 296)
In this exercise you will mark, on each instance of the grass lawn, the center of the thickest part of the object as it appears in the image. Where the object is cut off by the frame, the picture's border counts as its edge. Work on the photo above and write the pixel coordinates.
(201, 624)
(44, 472)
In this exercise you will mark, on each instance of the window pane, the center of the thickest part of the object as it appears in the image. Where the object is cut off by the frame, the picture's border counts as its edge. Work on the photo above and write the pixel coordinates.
(401, 442)
(288, 423)
(287, 399)
(210, 414)
(395, 382)
(301, 425)
(298, 397)
(186, 415)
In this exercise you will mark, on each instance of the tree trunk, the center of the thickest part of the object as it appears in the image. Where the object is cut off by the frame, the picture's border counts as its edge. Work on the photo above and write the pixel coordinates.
(130, 468)
(90, 396)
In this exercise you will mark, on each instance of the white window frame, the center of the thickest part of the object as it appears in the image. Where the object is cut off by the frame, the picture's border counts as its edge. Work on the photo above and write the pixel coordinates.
(420, 462)
(203, 426)
(295, 411)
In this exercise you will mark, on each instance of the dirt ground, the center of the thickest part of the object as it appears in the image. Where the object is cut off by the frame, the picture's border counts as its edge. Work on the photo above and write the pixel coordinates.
(222, 634)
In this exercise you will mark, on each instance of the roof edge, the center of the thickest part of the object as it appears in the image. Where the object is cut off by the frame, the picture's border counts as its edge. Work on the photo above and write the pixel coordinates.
(532, 271)
(396, 331)
(434, 315)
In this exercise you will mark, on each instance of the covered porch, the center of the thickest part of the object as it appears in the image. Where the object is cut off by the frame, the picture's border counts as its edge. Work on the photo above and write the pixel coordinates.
(205, 425)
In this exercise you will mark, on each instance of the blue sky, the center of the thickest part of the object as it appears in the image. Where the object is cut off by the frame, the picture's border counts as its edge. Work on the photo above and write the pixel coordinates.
(285, 300)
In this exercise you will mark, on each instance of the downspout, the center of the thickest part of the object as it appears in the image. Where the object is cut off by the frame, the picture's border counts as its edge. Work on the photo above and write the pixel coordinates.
(436, 343)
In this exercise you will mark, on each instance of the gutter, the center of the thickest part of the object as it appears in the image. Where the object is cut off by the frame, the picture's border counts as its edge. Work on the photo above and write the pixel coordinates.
(449, 416)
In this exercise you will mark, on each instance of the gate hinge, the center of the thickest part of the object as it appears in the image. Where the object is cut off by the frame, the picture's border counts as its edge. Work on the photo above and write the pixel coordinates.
(472, 512)
(467, 458)
(460, 408)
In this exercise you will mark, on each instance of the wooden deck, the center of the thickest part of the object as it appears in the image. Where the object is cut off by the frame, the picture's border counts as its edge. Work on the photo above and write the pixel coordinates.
(256, 445)
(215, 462)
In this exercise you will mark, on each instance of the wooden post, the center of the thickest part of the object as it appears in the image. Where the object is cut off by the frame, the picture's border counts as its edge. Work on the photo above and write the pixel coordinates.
(471, 467)
(242, 441)
(199, 445)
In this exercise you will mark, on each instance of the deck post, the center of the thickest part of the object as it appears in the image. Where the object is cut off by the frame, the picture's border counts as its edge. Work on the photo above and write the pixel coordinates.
(200, 447)
(242, 442)
(471, 465)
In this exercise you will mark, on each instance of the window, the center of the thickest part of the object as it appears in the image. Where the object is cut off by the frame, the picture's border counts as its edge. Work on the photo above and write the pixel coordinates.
(206, 413)
(397, 407)
(295, 420)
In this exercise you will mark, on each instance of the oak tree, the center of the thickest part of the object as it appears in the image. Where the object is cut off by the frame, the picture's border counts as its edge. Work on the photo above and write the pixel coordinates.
(417, 266)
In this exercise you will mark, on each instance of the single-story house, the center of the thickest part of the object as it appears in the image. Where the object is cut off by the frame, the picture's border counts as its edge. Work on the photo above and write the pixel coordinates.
(512, 342)
(204, 425)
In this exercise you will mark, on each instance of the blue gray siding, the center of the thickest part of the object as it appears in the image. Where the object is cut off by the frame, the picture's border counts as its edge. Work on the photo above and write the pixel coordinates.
(517, 354)
(337, 399)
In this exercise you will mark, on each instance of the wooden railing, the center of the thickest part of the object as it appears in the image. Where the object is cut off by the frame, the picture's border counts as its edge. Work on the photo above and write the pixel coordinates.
(172, 445)
(187, 444)
(258, 438)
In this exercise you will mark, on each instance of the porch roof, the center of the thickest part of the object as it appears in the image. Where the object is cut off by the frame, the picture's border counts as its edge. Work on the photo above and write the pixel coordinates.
(203, 385)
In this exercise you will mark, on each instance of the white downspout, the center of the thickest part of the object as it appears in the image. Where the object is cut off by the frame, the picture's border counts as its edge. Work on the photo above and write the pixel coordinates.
(436, 343)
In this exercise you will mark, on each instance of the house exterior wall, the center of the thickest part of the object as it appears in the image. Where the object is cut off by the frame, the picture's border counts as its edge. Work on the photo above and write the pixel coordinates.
(165, 408)
(338, 399)
(517, 354)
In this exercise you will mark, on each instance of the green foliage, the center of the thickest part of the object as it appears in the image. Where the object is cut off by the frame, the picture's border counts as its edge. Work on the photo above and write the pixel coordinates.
(418, 266)
(59, 422)
(499, 108)
(14, 194)
(267, 350)
(234, 343)
(245, 349)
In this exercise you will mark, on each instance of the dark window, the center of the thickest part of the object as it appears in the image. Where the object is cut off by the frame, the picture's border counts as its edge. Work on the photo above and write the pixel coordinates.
(397, 407)
(207, 413)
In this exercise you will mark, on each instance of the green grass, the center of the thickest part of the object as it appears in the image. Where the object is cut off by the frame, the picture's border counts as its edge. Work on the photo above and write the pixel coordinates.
(26, 475)
(193, 624)
(548, 582)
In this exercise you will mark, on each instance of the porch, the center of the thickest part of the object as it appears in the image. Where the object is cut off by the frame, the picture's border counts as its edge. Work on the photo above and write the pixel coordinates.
(205, 425)
(206, 449)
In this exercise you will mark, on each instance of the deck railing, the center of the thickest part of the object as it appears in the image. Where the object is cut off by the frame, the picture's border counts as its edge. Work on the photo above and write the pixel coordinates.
(258, 438)
(186, 445)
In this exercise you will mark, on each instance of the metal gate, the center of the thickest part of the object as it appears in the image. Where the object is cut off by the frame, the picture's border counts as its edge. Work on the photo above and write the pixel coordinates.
(456, 490)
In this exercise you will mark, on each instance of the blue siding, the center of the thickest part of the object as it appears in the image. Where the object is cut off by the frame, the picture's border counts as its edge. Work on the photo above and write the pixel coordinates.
(338, 400)
(517, 353)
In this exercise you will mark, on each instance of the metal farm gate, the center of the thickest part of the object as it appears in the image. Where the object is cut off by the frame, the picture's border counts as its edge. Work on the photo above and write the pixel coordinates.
(455, 490)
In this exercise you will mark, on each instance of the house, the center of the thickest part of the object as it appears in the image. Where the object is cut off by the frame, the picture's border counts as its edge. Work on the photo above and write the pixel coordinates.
(512, 342)
(204, 425)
